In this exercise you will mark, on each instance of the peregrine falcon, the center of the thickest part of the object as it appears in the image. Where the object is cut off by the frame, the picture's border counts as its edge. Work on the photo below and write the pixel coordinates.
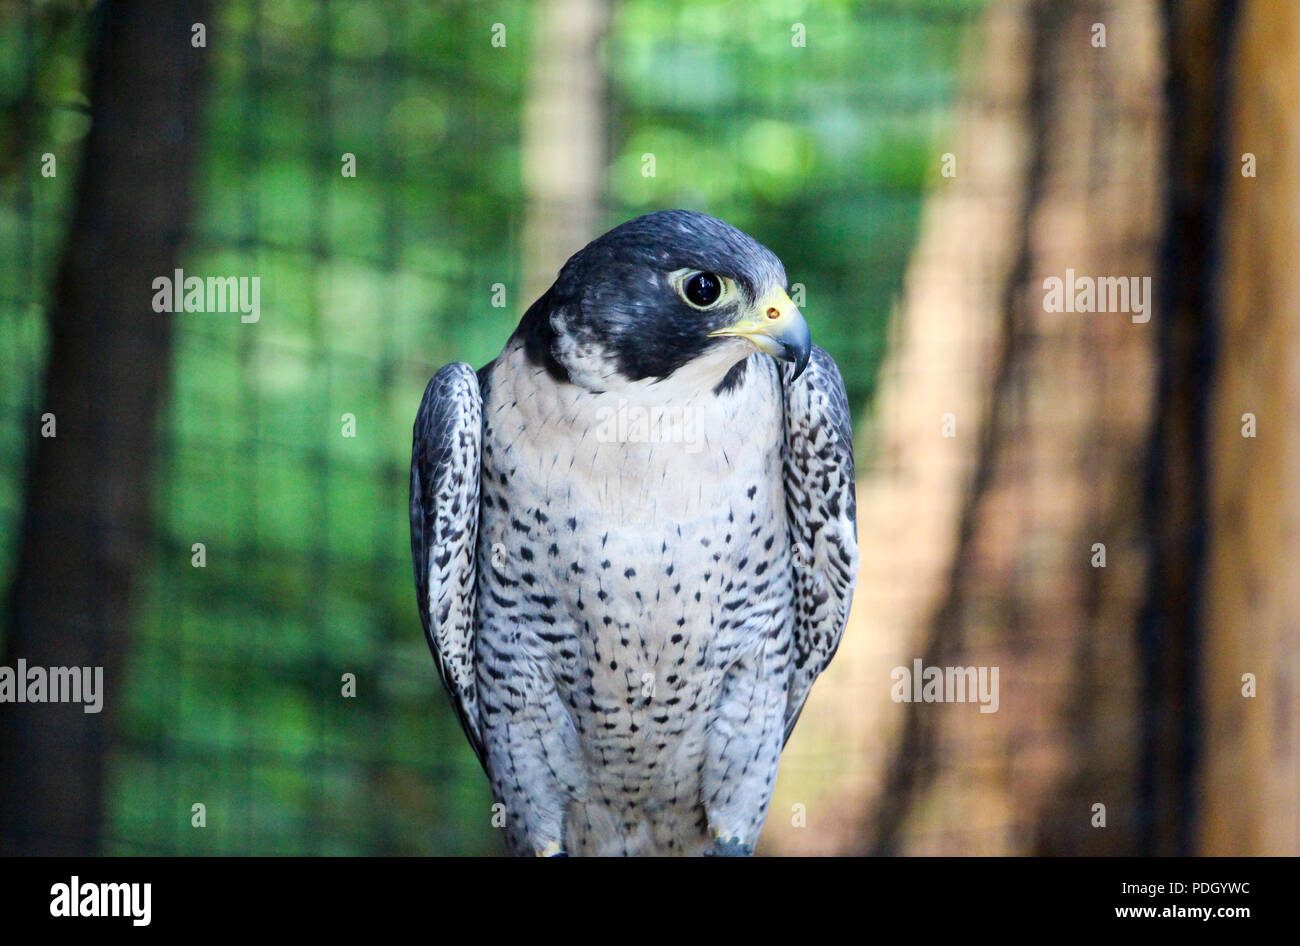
(635, 543)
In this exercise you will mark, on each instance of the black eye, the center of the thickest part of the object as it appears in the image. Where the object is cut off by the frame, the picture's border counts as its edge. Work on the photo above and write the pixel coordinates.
(702, 289)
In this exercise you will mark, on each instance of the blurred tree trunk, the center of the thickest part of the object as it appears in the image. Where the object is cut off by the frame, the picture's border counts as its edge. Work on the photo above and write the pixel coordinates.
(1250, 783)
(86, 522)
(564, 137)
(1198, 37)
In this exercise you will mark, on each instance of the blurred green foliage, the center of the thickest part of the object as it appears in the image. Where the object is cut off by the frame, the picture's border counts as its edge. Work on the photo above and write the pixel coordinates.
(368, 284)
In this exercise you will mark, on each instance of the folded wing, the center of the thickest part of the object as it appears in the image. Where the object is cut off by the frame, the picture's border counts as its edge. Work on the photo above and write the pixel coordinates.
(822, 508)
(444, 530)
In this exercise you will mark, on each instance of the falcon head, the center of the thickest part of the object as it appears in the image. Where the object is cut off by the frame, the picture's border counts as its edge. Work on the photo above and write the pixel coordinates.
(659, 293)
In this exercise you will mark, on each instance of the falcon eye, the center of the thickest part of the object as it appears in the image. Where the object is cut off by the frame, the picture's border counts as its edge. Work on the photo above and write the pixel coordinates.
(702, 289)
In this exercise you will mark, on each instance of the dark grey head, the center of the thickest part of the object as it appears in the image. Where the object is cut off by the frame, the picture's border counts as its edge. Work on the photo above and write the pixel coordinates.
(657, 293)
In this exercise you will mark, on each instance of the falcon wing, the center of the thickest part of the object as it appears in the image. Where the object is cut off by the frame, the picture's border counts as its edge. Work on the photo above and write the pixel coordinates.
(444, 530)
(822, 509)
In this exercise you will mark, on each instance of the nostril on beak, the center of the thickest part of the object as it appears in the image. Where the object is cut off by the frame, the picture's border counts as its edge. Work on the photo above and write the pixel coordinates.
(773, 313)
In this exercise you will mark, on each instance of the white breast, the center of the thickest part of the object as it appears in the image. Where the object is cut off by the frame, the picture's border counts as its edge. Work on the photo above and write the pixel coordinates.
(641, 452)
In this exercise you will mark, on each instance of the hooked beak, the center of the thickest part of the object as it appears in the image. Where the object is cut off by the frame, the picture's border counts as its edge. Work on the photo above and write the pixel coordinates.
(775, 326)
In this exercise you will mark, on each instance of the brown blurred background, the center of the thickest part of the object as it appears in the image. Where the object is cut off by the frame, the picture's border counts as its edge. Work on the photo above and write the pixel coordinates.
(1173, 152)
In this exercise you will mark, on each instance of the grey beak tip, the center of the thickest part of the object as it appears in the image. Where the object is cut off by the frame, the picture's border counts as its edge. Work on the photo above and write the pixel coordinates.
(800, 363)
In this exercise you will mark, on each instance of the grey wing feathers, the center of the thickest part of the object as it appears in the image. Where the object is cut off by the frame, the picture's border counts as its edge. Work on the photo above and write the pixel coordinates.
(444, 530)
(822, 509)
